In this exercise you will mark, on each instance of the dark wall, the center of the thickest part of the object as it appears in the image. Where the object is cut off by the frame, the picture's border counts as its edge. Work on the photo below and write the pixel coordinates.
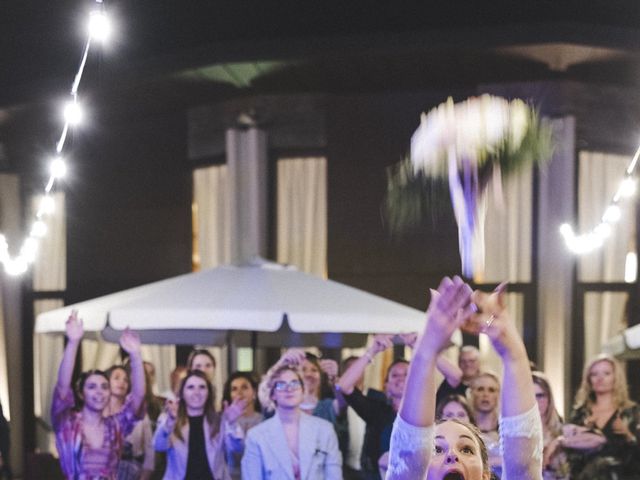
(365, 134)
(128, 204)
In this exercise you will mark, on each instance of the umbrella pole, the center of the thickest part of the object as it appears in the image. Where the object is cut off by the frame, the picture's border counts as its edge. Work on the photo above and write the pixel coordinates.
(254, 349)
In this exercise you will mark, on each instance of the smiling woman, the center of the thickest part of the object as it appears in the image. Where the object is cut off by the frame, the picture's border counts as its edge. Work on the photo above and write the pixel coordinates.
(89, 442)
(189, 431)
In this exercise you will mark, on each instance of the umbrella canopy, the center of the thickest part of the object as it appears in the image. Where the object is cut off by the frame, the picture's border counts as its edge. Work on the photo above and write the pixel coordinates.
(203, 307)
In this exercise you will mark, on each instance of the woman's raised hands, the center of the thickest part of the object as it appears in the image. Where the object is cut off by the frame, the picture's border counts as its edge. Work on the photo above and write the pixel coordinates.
(450, 308)
(74, 328)
(493, 319)
(130, 341)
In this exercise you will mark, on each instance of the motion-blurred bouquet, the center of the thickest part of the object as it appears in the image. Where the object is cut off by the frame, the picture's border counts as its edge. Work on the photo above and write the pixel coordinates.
(464, 147)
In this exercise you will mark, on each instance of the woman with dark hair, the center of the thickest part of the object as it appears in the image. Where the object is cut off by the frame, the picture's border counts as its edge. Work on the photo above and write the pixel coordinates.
(89, 442)
(454, 407)
(422, 448)
(319, 399)
(554, 461)
(240, 400)
(138, 456)
(291, 444)
(189, 431)
(603, 438)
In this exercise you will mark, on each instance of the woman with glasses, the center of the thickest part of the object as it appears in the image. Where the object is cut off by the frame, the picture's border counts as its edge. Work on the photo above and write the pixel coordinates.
(291, 444)
(90, 440)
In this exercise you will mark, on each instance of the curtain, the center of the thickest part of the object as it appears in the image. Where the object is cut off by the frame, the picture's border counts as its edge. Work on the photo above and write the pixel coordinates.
(213, 238)
(9, 222)
(49, 275)
(302, 214)
(507, 230)
(599, 177)
(212, 216)
(507, 239)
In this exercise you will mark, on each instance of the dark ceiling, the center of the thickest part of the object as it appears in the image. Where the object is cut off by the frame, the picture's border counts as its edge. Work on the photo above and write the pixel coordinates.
(195, 49)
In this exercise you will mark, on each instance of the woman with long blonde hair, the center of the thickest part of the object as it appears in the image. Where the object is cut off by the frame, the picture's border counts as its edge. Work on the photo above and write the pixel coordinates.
(554, 461)
(603, 436)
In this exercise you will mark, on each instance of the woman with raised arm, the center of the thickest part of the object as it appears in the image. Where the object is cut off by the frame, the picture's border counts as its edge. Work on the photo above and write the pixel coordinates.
(90, 443)
(240, 400)
(420, 448)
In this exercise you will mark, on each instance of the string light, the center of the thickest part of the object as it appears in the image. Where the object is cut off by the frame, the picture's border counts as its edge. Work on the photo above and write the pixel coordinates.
(590, 241)
(99, 29)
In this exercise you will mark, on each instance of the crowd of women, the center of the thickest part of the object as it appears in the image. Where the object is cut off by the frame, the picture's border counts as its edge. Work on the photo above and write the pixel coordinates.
(306, 414)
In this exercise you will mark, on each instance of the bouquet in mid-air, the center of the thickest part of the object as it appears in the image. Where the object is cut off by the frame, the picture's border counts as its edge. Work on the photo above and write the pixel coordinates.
(464, 147)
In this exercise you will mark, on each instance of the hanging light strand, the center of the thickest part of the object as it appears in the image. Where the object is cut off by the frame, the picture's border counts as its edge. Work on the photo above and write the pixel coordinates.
(98, 29)
(595, 238)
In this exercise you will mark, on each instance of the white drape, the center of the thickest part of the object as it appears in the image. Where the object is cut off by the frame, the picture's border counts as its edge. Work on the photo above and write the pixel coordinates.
(507, 240)
(302, 213)
(507, 230)
(49, 275)
(212, 207)
(211, 204)
(9, 221)
(599, 177)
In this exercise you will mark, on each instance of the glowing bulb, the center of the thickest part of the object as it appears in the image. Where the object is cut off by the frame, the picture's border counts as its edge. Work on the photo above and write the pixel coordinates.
(38, 229)
(99, 26)
(29, 249)
(16, 266)
(603, 230)
(73, 113)
(631, 267)
(58, 168)
(627, 187)
(566, 230)
(612, 214)
(47, 205)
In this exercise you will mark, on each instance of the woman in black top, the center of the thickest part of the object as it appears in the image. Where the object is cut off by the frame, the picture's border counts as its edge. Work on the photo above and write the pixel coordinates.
(189, 432)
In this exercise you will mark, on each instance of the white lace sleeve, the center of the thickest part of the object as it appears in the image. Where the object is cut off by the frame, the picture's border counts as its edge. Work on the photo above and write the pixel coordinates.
(521, 446)
(410, 451)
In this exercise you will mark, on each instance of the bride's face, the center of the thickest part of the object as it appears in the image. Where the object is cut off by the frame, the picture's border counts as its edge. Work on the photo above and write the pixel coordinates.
(457, 454)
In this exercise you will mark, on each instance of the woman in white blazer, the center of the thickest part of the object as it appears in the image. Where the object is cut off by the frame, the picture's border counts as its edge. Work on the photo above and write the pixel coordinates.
(292, 445)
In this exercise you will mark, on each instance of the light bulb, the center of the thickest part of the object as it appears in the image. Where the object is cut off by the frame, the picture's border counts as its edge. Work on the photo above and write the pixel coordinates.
(38, 229)
(631, 267)
(58, 168)
(99, 26)
(29, 249)
(612, 214)
(47, 205)
(566, 230)
(603, 230)
(73, 113)
(627, 187)
(16, 266)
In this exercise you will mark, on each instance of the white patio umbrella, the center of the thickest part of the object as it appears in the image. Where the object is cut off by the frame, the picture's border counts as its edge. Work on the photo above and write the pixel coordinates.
(205, 307)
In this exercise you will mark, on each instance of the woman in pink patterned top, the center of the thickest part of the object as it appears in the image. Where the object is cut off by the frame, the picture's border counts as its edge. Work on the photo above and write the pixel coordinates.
(89, 443)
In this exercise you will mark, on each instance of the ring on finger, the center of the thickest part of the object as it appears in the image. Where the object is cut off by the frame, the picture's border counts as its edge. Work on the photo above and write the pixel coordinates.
(489, 321)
